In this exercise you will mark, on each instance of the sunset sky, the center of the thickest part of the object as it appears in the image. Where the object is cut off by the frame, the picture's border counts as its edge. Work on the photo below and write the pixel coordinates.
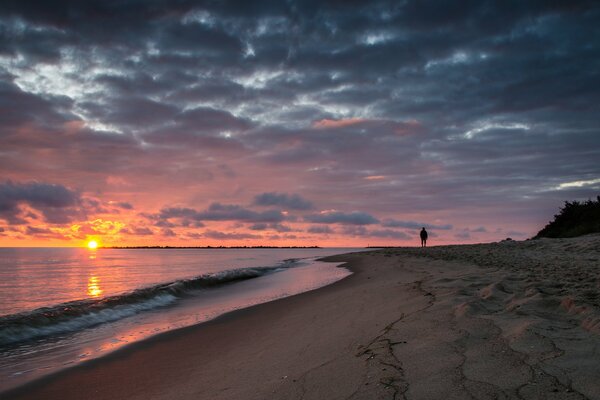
(340, 123)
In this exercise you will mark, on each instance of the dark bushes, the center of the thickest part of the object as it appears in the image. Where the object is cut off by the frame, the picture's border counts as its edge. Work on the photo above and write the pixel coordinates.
(574, 219)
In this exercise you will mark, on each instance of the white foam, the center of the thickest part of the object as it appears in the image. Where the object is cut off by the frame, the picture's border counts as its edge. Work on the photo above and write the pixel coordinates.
(13, 334)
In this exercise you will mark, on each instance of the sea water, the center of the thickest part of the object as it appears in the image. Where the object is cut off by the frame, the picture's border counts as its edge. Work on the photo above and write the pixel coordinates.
(62, 306)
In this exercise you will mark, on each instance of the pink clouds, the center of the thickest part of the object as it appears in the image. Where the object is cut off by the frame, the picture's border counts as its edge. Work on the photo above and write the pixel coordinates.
(339, 123)
(259, 221)
(401, 128)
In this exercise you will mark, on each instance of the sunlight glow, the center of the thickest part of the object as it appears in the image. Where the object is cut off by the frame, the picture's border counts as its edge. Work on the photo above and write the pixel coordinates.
(92, 244)
(577, 184)
(491, 125)
(93, 289)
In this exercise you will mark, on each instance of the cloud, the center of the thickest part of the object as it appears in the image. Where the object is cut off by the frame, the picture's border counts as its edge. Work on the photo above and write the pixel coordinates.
(42, 232)
(121, 204)
(291, 201)
(232, 212)
(141, 231)
(98, 226)
(178, 212)
(361, 231)
(338, 217)
(480, 229)
(392, 223)
(211, 234)
(57, 203)
(281, 228)
(341, 123)
(259, 227)
(215, 212)
(389, 233)
(274, 226)
(168, 232)
(388, 127)
(136, 112)
(462, 235)
(320, 229)
(204, 119)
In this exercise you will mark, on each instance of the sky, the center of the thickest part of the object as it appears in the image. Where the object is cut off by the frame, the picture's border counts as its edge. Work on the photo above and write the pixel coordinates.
(340, 123)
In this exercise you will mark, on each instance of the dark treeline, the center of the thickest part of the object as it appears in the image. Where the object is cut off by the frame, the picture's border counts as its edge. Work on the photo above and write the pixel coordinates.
(574, 219)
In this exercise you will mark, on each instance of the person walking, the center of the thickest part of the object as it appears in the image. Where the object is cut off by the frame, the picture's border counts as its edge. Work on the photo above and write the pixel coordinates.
(423, 237)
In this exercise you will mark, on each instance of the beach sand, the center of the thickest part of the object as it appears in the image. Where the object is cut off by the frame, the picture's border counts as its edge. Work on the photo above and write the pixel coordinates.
(492, 321)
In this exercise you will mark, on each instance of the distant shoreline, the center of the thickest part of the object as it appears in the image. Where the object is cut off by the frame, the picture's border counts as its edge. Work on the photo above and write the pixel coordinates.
(209, 247)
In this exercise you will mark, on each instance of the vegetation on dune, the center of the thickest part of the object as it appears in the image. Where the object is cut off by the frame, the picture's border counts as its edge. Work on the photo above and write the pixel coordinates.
(574, 219)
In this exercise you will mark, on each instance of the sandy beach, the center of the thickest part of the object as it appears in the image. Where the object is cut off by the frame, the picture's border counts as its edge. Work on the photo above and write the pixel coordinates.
(502, 320)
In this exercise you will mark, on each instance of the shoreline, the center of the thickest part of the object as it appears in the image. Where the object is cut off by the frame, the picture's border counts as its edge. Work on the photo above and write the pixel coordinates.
(401, 324)
(167, 336)
(220, 297)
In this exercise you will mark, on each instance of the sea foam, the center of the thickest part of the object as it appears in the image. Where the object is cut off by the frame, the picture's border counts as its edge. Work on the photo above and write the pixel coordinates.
(76, 315)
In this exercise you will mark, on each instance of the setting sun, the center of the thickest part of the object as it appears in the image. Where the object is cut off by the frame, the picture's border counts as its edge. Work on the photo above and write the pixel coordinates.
(92, 244)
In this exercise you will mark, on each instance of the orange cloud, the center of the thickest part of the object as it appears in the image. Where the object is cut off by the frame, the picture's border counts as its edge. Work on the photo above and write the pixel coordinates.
(338, 123)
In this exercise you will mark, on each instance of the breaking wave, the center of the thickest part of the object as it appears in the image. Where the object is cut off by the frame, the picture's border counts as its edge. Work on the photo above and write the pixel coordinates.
(77, 315)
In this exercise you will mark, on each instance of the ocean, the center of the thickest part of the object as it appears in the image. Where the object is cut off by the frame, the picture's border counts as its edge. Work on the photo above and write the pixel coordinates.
(62, 306)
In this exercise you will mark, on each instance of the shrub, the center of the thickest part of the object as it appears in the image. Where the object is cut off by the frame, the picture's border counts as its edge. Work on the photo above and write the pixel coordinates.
(574, 219)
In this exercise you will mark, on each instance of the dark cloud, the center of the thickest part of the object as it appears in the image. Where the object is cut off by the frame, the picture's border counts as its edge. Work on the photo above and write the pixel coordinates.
(178, 212)
(338, 217)
(291, 201)
(320, 229)
(193, 235)
(259, 227)
(122, 204)
(205, 119)
(231, 212)
(136, 112)
(35, 231)
(217, 212)
(18, 108)
(481, 229)
(281, 228)
(141, 231)
(276, 227)
(57, 203)
(166, 232)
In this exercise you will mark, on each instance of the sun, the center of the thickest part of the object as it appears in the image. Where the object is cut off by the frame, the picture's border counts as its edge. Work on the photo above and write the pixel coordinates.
(92, 244)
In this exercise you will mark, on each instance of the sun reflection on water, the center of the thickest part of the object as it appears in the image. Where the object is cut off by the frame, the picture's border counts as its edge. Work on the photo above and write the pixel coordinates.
(93, 287)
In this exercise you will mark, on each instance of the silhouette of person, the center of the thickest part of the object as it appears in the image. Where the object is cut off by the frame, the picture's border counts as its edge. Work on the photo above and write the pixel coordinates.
(423, 237)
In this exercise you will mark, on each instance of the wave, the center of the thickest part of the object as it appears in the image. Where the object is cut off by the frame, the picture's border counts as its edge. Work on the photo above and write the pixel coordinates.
(80, 314)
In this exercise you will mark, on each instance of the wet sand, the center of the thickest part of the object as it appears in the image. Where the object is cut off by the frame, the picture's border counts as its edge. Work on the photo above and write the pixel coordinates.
(504, 320)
